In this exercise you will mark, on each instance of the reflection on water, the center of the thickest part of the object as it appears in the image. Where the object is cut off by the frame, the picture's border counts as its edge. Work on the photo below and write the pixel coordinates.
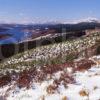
(4, 36)
(13, 35)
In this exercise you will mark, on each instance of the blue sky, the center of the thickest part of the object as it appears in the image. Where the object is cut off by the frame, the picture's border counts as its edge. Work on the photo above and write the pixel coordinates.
(48, 10)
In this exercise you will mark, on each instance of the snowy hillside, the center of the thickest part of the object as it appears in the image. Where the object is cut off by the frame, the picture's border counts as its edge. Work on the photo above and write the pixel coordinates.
(60, 71)
(64, 82)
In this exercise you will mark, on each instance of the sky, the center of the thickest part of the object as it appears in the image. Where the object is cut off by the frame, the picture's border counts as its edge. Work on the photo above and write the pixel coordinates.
(23, 11)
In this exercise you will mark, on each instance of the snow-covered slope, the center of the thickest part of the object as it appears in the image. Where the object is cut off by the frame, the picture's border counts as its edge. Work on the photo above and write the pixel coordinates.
(88, 20)
(66, 84)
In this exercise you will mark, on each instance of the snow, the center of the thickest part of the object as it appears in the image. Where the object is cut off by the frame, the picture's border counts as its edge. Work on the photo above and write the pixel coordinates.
(88, 81)
(52, 51)
(88, 19)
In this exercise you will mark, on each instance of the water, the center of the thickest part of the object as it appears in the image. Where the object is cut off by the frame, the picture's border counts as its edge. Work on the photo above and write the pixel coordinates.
(16, 35)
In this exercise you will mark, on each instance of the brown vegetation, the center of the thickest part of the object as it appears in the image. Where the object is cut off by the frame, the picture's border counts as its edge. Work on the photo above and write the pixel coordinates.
(24, 78)
(84, 93)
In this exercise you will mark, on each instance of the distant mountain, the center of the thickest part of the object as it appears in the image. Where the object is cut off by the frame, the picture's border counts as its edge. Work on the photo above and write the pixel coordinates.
(89, 19)
(23, 31)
